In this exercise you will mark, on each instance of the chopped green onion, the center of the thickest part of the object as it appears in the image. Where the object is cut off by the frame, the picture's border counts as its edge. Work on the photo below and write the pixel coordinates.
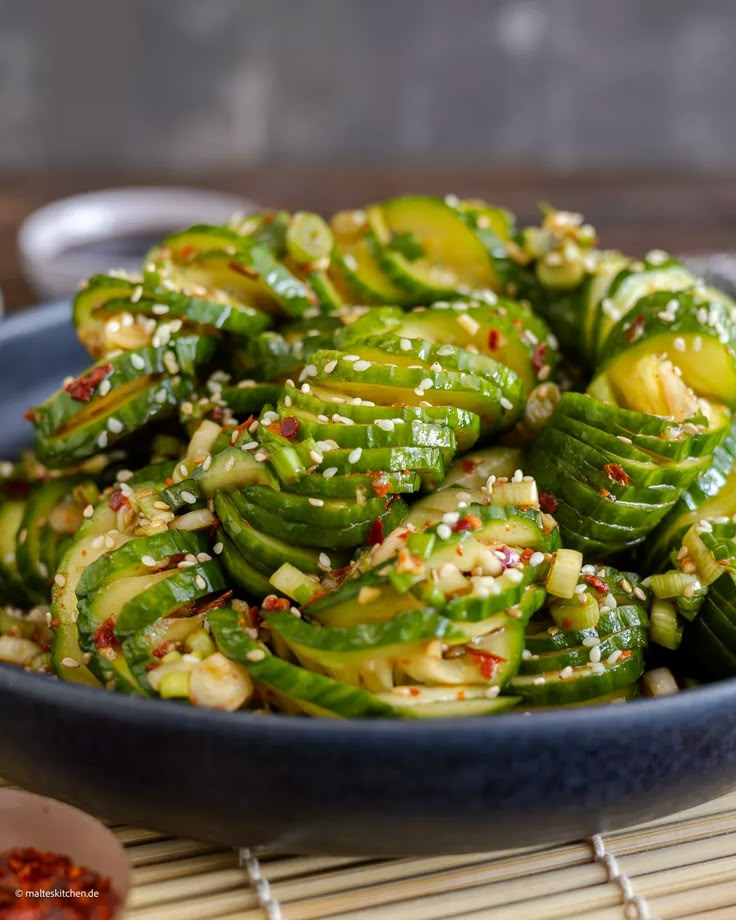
(665, 628)
(565, 572)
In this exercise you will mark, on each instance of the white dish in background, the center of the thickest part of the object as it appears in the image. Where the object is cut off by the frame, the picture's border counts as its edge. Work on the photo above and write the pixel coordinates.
(75, 237)
(28, 820)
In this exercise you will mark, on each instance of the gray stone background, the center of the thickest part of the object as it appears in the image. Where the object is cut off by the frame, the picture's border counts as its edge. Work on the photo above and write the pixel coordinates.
(223, 83)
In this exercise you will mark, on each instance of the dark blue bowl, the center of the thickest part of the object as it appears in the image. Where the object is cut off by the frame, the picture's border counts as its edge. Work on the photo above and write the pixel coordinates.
(377, 788)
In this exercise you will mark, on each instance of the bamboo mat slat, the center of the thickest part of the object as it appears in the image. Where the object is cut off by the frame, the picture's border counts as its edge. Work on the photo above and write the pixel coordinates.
(682, 867)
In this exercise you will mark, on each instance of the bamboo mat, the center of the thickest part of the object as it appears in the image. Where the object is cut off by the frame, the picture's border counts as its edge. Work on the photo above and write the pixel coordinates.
(683, 866)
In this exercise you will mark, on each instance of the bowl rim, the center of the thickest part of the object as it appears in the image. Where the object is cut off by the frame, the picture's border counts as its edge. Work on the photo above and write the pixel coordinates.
(635, 714)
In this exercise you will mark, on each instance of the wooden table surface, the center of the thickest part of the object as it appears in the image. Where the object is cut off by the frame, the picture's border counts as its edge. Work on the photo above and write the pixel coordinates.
(635, 211)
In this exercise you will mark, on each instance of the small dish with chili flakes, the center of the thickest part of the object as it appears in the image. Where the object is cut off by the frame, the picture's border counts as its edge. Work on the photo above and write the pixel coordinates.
(57, 861)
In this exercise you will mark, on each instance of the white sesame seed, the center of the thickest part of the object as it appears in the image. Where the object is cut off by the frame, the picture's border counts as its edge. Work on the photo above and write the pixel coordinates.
(426, 384)
(160, 309)
(115, 425)
(361, 365)
(325, 563)
(255, 654)
(229, 464)
(566, 673)
(639, 593)
(104, 388)
(595, 653)
(444, 532)
(170, 362)
(350, 358)
(60, 579)
(330, 366)
(329, 472)
(679, 343)
(506, 403)
(385, 424)
(148, 561)
(539, 681)
(355, 455)
(98, 542)
(69, 662)
(697, 343)
(102, 440)
(137, 361)
(597, 667)
(470, 325)
(536, 558)
(590, 641)
(405, 344)
(189, 497)
(316, 502)
(261, 456)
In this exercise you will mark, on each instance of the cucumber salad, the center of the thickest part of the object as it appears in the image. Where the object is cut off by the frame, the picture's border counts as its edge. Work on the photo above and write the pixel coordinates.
(414, 461)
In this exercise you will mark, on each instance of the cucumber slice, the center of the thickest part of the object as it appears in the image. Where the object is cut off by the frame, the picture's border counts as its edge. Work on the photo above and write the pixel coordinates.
(89, 544)
(581, 655)
(38, 545)
(354, 266)
(629, 288)
(325, 514)
(369, 655)
(321, 401)
(584, 683)
(336, 538)
(550, 639)
(471, 471)
(390, 383)
(265, 552)
(14, 590)
(292, 688)
(245, 575)
(445, 255)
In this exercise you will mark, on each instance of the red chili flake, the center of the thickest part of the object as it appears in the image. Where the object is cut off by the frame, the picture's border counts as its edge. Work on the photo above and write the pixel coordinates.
(375, 534)
(30, 416)
(547, 502)
(600, 586)
(82, 388)
(104, 637)
(187, 251)
(636, 330)
(469, 465)
(118, 500)
(242, 426)
(539, 356)
(526, 554)
(414, 691)
(169, 481)
(163, 650)
(380, 487)
(269, 217)
(616, 473)
(217, 414)
(254, 617)
(626, 654)
(494, 339)
(276, 603)
(45, 884)
(56, 623)
(242, 269)
(518, 323)
(488, 662)
(214, 603)
(289, 427)
(469, 522)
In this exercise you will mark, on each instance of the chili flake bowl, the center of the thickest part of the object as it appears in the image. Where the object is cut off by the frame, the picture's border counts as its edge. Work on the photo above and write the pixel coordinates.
(32, 821)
